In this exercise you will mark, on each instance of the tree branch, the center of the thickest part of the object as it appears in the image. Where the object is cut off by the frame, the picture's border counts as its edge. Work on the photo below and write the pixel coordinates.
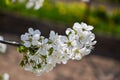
(13, 43)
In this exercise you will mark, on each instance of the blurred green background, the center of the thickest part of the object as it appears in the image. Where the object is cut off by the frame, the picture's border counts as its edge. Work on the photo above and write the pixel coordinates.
(104, 15)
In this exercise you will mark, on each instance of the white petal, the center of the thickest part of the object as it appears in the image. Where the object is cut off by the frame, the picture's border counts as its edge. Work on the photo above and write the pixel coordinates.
(36, 37)
(37, 32)
(64, 61)
(68, 30)
(27, 44)
(28, 67)
(90, 28)
(85, 51)
(24, 37)
(45, 40)
(63, 38)
(78, 57)
(83, 25)
(71, 37)
(92, 37)
(31, 31)
(34, 42)
(94, 42)
(86, 27)
(52, 33)
(76, 26)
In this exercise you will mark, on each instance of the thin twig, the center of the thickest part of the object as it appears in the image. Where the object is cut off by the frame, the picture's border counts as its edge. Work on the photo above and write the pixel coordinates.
(13, 43)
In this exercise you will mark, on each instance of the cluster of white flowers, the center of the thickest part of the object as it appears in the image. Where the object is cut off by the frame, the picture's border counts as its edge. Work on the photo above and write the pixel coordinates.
(3, 47)
(36, 4)
(42, 54)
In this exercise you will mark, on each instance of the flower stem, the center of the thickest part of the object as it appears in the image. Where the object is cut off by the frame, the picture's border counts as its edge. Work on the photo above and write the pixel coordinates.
(13, 43)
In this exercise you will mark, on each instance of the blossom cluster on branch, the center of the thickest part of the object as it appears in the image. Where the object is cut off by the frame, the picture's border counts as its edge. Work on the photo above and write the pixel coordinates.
(41, 54)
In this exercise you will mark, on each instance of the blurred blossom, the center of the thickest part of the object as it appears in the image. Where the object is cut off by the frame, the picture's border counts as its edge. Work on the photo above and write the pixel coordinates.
(3, 47)
(36, 4)
(85, 0)
(6, 76)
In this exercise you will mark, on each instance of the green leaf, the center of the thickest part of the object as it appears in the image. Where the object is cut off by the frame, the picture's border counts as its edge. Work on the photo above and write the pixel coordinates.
(33, 50)
(43, 56)
(49, 42)
(22, 49)
(50, 51)
(22, 63)
(39, 65)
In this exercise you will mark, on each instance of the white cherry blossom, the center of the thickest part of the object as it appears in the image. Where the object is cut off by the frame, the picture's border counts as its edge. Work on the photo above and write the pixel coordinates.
(31, 38)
